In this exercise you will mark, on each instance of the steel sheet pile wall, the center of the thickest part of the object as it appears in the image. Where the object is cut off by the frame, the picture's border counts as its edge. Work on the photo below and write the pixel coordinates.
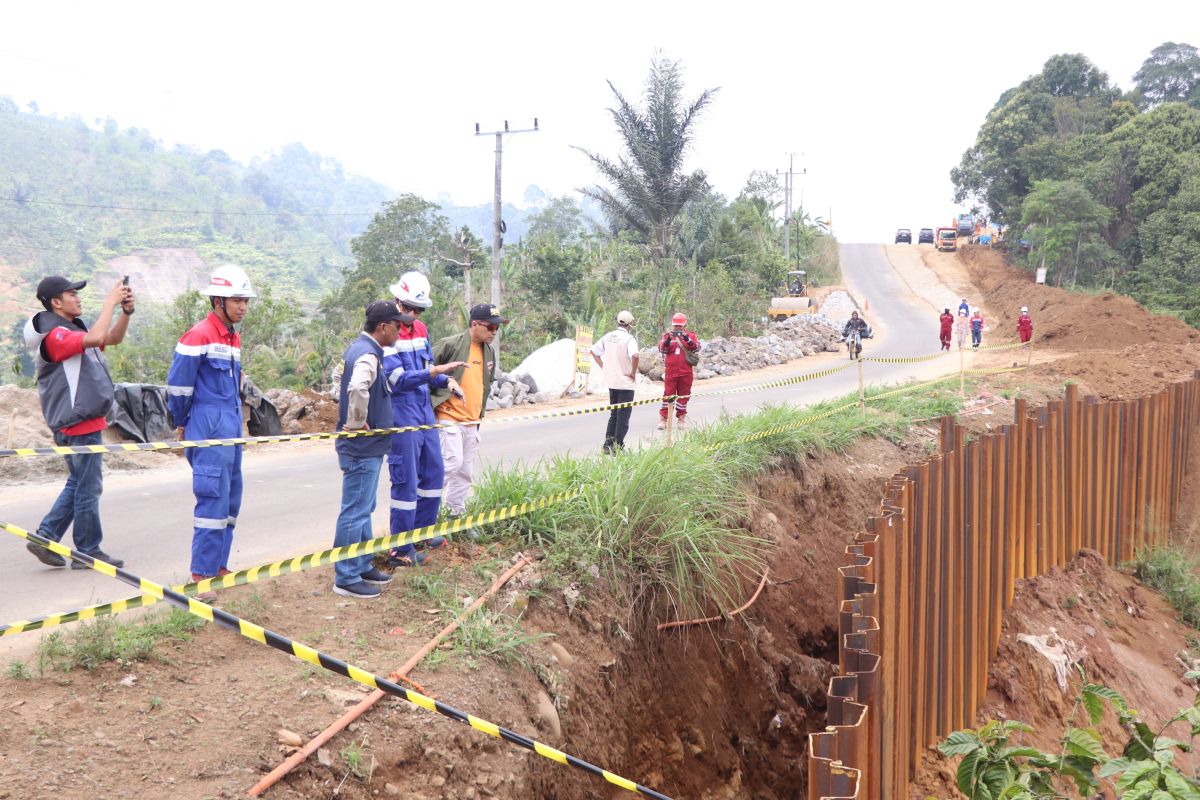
(924, 589)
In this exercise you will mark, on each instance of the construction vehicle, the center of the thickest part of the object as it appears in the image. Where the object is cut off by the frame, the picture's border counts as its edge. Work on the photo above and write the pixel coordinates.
(946, 239)
(794, 297)
(965, 225)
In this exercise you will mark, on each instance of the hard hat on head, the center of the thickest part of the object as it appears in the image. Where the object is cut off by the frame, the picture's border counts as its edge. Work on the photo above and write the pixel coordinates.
(624, 318)
(1024, 309)
(229, 280)
(975, 310)
(412, 290)
(679, 319)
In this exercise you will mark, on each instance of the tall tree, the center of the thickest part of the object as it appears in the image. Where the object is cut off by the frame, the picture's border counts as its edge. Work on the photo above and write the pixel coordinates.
(649, 186)
(1170, 75)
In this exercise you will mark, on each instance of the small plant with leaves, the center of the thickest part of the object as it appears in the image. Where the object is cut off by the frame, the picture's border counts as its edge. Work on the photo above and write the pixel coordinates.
(993, 767)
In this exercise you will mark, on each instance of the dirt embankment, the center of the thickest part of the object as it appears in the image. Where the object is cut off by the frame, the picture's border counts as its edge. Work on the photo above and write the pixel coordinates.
(1124, 636)
(1108, 343)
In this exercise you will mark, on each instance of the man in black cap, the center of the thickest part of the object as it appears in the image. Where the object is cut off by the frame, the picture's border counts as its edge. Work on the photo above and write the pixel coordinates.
(462, 412)
(363, 405)
(76, 392)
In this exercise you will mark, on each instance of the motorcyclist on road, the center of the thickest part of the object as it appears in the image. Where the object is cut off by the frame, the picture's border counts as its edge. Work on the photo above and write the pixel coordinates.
(855, 324)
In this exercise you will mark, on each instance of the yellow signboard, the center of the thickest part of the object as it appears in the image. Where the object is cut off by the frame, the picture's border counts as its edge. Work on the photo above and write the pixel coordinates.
(583, 349)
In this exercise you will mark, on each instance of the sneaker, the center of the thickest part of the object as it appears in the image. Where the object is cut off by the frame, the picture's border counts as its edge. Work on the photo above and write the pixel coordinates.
(436, 543)
(99, 555)
(47, 557)
(362, 590)
(415, 558)
(376, 577)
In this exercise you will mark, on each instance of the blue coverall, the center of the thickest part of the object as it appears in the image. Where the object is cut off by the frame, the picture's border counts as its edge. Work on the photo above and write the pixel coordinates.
(415, 461)
(204, 398)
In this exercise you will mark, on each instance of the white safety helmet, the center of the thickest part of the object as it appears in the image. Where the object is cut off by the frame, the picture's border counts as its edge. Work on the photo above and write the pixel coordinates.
(413, 290)
(1024, 309)
(229, 280)
(975, 310)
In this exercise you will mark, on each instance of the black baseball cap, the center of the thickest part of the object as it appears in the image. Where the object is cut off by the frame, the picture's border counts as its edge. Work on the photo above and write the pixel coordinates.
(486, 312)
(384, 311)
(55, 285)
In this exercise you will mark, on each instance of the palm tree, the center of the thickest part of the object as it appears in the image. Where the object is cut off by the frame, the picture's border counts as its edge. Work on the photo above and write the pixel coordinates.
(649, 187)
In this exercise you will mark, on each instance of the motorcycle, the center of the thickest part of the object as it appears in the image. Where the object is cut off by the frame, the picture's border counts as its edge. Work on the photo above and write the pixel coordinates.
(853, 340)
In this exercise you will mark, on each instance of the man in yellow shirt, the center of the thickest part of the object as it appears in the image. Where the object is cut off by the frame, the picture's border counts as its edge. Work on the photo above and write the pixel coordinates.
(461, 441)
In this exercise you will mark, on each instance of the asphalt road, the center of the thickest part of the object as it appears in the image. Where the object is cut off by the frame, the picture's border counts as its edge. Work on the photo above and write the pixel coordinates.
(291, 496)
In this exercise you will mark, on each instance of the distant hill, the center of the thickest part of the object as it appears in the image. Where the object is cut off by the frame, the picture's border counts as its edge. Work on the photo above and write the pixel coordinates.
(97, 200)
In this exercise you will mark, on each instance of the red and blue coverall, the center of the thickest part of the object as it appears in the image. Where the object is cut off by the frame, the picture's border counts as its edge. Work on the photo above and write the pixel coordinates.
(204, 398)
(415, 461)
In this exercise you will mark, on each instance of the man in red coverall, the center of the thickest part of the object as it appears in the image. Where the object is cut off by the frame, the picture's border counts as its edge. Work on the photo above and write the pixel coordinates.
(677, 374)
(947, 320)
(1024, 325)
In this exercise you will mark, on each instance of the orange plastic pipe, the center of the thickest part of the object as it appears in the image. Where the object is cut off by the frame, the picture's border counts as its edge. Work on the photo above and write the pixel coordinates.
(374, 697)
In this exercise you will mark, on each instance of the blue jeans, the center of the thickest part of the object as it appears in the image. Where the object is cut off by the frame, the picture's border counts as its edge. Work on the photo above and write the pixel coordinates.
(360, 482)
(79, 501)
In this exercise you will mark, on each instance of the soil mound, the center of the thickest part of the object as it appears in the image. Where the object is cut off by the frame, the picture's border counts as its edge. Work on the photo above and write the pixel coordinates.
(1109, 344)
(1123, 635)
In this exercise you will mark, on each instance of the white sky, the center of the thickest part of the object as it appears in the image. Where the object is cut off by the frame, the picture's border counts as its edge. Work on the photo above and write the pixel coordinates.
(877, 100)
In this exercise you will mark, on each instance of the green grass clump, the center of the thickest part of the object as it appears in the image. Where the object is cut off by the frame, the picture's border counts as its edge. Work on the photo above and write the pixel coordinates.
(108, 639)
(1172, 573)
(667, 521)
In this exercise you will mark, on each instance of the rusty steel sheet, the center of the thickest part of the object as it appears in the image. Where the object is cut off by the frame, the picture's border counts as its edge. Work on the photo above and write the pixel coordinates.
(925, 585)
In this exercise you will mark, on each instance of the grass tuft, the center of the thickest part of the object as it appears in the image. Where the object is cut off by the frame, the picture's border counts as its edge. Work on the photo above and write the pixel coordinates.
(668, 522)
(1172, 573)
(109, 639)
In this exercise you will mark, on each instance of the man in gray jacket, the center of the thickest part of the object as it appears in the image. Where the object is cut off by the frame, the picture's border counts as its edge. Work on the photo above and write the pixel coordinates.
(76, 392)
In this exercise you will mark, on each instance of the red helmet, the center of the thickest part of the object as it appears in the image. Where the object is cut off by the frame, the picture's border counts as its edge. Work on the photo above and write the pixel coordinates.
(679, 319)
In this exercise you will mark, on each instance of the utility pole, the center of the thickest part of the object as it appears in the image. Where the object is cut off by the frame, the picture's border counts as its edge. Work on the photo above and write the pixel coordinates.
(787, 206)
(498, 226)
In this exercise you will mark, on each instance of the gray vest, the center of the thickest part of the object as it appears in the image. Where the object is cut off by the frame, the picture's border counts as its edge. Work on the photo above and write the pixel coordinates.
(74, 390)
(379, 406)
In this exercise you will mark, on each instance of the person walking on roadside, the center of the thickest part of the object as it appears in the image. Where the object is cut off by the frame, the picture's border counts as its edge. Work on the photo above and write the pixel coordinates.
(461, 413)
(363, 405)
(964, 313)
(947, 329)
(204, 396)
(976, 328)
(76, 392)
(415, 459)
(617, 355)
(1024, 325)
(677, 346)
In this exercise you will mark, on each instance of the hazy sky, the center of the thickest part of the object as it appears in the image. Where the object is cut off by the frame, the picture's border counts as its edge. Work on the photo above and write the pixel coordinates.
(877, 100)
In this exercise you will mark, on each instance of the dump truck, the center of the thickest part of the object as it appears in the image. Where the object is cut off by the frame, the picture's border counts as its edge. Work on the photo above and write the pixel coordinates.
(946, 239)
(965, 226)
(793, 297)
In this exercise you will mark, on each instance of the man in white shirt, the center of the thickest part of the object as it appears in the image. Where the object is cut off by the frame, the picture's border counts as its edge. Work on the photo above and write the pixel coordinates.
(617, 355)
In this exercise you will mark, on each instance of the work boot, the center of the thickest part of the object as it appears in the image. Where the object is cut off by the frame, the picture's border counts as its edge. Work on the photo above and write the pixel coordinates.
(46, 556)
(413, 559)
(436, 543)
(662, 424)
(99, 555)
(208, 596)
(681, 422)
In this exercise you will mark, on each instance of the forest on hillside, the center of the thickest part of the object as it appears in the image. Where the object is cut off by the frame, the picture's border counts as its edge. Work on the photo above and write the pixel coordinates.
(1099, 186)
(650, 236)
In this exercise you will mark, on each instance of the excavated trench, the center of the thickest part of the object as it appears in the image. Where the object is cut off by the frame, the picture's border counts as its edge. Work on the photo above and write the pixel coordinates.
(724, 710)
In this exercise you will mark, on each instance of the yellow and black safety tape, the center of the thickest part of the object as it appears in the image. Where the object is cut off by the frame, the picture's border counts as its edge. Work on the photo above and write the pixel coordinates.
(1010, 346)
(906, 359)
(299, 563)
(808, 376)
(261, 635)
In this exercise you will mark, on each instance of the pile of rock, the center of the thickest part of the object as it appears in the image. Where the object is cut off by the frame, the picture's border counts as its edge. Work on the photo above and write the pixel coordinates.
(796, 337)
(510, 390)
(303, 412)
